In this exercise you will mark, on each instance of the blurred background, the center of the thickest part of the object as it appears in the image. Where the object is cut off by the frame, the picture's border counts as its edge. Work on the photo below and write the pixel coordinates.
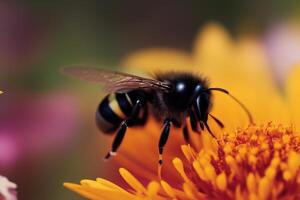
(47, 130)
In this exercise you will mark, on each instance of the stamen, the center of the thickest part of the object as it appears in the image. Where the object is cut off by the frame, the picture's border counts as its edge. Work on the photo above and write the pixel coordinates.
(293, 162)
(221, 181)
(199, 170)
(210, 172)
(188, 191)
(179, 167)
(188, 152)
(287, 175)
(271, 172)
(251, 183)
(153, 188)
(264, 188)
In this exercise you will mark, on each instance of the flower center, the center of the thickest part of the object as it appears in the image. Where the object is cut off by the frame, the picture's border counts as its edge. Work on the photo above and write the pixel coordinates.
(259, 161)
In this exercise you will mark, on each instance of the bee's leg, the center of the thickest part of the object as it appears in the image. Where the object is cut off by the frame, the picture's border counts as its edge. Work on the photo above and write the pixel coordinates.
(163, 139)
(118, 140)
(193, 121)
(186, 134)
(162, 142)
(202, 125)
(142, 116)
(122, 130)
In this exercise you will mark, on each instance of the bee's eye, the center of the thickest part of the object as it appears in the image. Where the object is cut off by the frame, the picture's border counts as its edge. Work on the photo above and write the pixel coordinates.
(198, 88)
(180, 87)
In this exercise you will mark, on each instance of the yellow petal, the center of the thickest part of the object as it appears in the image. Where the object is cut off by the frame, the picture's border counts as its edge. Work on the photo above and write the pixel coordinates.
(168, 189)
(293, 94)
(158, 59)
(218, 58)
(94, 184)
(98, 194)
(109, 184)
(213, 46)
(80, 190)
(132, 181)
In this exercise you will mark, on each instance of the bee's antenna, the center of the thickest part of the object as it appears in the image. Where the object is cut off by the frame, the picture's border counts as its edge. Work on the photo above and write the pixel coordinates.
(236, 100)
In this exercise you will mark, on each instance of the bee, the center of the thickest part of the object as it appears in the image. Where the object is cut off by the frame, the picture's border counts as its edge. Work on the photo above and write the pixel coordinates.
(170, 97)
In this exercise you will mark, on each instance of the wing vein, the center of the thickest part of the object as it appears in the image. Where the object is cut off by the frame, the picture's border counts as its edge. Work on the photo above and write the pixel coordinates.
(112, 80)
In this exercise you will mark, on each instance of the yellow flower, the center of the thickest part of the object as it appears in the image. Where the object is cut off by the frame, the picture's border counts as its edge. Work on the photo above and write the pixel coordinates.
(246, 161)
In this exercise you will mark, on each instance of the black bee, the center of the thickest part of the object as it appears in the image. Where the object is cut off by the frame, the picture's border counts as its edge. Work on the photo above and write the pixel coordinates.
(171, 98)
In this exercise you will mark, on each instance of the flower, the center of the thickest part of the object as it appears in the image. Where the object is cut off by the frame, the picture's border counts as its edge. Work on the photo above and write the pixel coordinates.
(252, 163)
(257, 161)
(7, 189)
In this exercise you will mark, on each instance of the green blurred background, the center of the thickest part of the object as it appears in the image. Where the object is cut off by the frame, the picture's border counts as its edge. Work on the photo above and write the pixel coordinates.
(47, 131)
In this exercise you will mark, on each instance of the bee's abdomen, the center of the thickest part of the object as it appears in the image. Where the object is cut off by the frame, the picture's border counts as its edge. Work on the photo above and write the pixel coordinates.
(113, 109)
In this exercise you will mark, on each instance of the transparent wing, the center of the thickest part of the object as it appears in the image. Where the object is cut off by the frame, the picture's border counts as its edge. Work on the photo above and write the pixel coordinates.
(113, 81)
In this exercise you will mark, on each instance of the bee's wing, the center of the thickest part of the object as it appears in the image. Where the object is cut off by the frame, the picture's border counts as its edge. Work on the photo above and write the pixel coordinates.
(113, 81)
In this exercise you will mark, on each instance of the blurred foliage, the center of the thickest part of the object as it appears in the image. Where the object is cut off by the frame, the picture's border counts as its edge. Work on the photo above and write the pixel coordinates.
(101, 32)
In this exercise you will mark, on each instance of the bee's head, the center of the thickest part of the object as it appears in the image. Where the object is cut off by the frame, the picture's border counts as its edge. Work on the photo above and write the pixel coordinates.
(184, 92)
